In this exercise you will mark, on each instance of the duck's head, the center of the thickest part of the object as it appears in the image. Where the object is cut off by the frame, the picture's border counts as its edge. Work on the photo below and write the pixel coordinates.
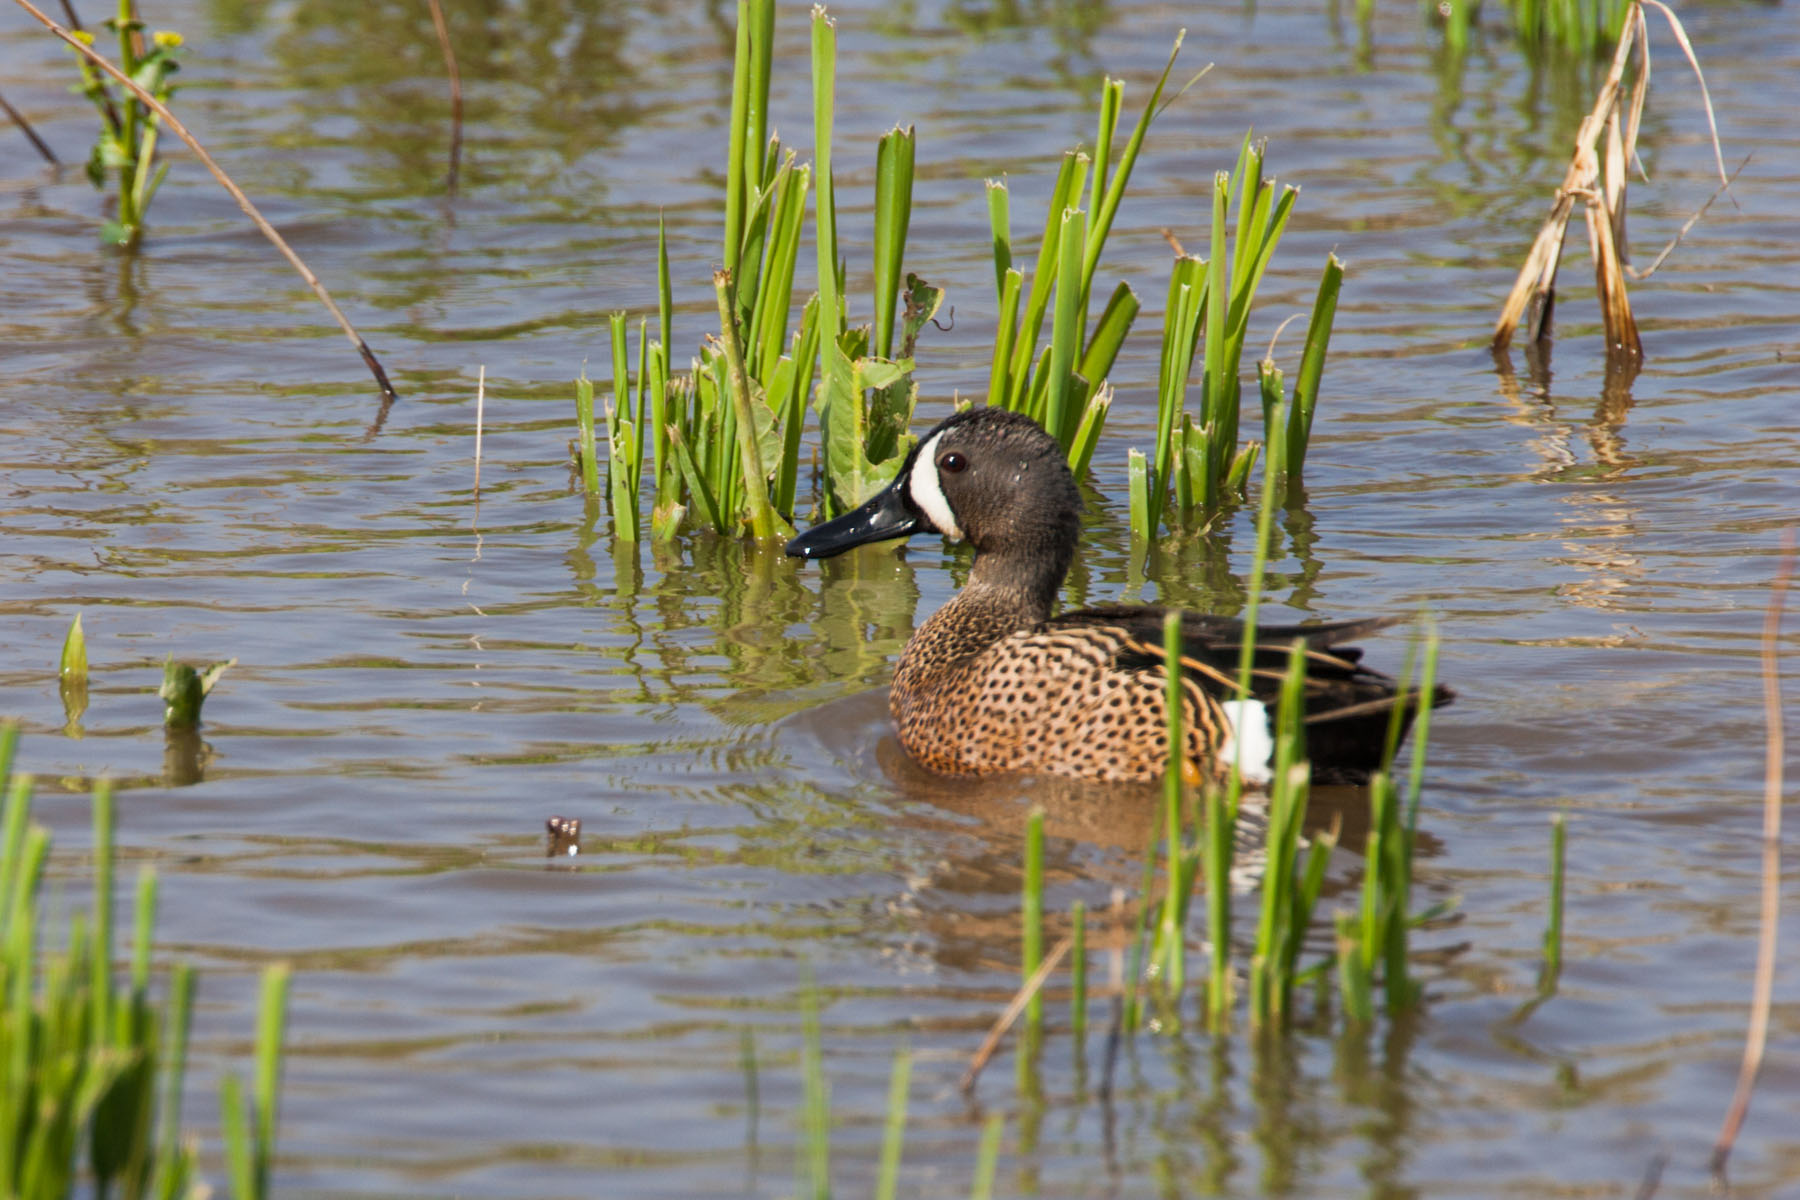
(986, 476)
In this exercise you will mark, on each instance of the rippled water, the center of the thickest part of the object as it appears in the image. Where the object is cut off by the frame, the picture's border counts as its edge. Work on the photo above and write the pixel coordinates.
(194, 460)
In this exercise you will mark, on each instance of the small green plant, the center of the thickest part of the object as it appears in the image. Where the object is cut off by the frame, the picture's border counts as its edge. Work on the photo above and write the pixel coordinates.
(87, 1062)
(72, 675)
(126, 148)
(184, 690)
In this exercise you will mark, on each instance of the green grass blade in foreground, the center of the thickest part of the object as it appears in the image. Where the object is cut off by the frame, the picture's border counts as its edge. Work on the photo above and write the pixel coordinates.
(893, 1135)
(1031, 921)
(1170, 931)
(987, 1159)
(816, 1113)
(100, 985)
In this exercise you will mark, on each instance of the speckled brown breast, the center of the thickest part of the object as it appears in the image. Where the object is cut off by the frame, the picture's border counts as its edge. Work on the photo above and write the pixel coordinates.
(1041, 699)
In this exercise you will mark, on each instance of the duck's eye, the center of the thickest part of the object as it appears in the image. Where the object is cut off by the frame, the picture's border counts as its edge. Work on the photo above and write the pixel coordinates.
(952, 462)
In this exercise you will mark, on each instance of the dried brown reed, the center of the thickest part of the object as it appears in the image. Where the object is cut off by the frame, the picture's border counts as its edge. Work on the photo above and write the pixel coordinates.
(168, 118)
(1774, 754)
(1605, 146)
(1023, 997)
(456, 106)
(18, 118)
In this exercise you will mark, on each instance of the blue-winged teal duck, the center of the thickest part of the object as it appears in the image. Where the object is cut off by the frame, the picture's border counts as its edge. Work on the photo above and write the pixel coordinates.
(994, 683)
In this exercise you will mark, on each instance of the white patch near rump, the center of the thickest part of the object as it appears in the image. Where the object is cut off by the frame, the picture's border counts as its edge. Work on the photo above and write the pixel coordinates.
(928, 493)
(1248, 744)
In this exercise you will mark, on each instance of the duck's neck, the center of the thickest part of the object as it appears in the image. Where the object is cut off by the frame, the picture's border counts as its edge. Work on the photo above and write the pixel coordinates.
(1002, 597)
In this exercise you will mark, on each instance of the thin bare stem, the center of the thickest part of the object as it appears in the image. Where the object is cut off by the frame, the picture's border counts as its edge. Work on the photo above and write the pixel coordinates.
(480, 405)
(1030, 988)
(456, 105)
(1775, 750)
(18, 118)
(168, 118)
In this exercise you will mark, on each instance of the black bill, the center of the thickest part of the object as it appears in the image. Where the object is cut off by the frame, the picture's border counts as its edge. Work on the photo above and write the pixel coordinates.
(884, 516)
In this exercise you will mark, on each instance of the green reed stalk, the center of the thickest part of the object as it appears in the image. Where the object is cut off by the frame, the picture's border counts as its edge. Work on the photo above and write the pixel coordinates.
(816, 1112)
(1312, 368)
(624, 440)
(893, 216)
(100, 981)
(987, 1158)
(1169, 934)
(824, 81)
(1031, 918)
(1078, 981)
(887, 1176)
(749, 120)
(762, 516)
(1552, 970)
(250, 1133)
(586, 443)
(1290, 890)
(1000, 221)
(1061, 413)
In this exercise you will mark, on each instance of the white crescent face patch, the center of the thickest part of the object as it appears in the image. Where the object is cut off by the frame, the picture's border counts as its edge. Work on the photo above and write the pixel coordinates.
(927, 491)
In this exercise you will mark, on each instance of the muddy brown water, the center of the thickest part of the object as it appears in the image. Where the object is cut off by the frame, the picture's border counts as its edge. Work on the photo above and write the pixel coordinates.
(191, 459)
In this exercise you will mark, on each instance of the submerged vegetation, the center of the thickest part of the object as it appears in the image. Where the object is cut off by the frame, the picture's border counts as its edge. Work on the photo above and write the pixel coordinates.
(91, 1068)
(723, 441)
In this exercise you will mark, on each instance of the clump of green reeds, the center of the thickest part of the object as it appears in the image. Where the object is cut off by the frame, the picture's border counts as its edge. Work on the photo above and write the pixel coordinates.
(1060, 384)
(126, 147)
(1371, 946)
(723, 440)
(1198, 467)
(88, 1061)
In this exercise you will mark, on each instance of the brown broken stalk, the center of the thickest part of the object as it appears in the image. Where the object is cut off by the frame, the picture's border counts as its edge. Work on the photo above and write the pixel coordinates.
(168, 118)
(1596, 177)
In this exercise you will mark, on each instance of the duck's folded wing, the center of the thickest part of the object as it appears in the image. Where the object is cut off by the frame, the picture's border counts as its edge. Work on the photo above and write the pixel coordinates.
(1348, 705)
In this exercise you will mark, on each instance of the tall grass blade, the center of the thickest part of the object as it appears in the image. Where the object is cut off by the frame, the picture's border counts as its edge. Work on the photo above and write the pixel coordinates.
(1170, 931)
(987, 1158)
(1031, 919)
(816, 1114)
(887, 1175)
(1552, 971)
